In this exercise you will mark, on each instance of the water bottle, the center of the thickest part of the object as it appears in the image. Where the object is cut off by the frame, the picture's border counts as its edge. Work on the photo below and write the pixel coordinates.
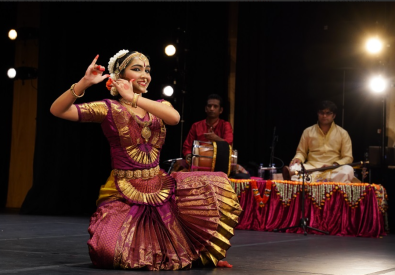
(272, 171)
(260, 171)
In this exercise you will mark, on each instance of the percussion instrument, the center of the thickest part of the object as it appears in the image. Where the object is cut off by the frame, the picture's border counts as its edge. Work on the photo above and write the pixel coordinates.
(213, 156)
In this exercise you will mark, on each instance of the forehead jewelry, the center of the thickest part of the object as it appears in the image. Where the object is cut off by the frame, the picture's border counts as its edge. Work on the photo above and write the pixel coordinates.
(140, 56)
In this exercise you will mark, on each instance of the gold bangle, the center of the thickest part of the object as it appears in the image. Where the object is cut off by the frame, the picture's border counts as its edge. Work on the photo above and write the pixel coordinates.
(134, 101)
(74, 94)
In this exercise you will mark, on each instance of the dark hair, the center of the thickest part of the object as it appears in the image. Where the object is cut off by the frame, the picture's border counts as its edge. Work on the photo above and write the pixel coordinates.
(215, 96)
(326, 104)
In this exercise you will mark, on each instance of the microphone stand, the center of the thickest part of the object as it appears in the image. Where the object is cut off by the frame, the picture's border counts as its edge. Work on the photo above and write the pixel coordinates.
(272, 148)
(172, 162)
(303, 219)
(171, 166)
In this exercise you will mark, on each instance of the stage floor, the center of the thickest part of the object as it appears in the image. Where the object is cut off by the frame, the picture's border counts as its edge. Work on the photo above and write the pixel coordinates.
(57, 245)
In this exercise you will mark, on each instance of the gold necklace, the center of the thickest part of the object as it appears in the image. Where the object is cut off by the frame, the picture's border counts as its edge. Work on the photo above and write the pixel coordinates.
(146, 131)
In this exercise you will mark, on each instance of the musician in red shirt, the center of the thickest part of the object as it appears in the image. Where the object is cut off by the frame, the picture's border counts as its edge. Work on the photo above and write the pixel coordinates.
(210, 129)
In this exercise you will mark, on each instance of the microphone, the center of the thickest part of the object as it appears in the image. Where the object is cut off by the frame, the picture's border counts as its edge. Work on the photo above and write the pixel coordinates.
(171, 160)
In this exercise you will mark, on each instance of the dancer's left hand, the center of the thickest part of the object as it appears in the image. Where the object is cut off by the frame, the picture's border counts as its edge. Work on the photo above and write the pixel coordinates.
(125, 88)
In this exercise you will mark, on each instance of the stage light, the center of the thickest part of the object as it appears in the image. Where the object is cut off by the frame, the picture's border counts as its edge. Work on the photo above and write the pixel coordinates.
(374, 45)
(170, 50)
(168, 91)
(11, 73)
(12, 34)
(24, 33)
(22, 73)
(378, 84)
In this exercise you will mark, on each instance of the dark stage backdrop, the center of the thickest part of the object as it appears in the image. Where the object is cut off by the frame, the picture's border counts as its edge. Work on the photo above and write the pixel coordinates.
(291, 56)
(72, 160)
(7, 22)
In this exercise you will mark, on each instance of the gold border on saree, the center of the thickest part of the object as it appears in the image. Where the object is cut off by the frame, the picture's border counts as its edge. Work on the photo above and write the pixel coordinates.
(137, 174)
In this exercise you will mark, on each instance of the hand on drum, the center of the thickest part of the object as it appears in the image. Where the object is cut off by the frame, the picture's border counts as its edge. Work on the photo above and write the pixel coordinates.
(188, 159)
(212, 136)
(298, 161)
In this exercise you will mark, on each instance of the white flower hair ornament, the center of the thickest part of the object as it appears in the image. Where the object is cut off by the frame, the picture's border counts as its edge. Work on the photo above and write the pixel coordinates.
(114, 74)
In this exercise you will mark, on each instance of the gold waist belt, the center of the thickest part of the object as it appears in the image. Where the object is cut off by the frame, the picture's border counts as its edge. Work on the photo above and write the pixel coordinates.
(137, 174)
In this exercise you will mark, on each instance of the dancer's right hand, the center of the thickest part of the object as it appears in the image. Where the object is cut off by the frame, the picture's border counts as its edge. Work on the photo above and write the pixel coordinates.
(94, 73)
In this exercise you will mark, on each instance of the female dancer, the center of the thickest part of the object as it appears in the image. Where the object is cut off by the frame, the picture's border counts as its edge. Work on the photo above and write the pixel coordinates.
(146, 218)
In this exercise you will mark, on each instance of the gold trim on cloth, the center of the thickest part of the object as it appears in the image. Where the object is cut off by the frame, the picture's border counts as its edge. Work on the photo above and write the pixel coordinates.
(93, 112)
(208, 203)
(214, 156)
(153, 191)
(130, 135)
(137, 174)
(230, 160)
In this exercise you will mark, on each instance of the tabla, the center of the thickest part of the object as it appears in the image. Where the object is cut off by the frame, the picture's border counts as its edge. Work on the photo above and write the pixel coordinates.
(213, 156)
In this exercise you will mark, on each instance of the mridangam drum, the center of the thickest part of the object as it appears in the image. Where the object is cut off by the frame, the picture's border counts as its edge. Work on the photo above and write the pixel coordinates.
(213, 156)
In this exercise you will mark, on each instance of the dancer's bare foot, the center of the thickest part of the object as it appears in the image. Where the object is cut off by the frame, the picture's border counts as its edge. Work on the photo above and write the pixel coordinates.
(224, 264)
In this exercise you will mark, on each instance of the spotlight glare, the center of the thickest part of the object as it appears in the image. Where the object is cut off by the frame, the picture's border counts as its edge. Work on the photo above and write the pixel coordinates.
(378, 84)
(168, 91)
(11, 73)
(170, 50)
(374, 45)
(12, 34)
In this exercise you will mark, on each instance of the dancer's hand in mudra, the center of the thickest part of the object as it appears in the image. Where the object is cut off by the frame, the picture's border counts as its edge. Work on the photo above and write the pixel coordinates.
(125, 88)
(94, 73)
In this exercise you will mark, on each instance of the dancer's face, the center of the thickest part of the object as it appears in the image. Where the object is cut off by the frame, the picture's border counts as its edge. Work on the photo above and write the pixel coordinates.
(140, 71)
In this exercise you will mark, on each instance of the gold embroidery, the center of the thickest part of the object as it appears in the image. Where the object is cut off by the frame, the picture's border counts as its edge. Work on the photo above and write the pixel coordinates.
(157, 196)
(142, 157)
(137, 174)
(226, 203)
(93, 111)
(123, 120)
(145, 131)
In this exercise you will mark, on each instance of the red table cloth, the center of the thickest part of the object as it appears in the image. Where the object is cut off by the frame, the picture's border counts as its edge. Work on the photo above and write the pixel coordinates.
(343, 209)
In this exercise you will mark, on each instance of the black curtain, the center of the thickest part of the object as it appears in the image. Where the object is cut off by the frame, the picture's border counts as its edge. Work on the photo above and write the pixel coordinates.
(71, 159)
(291, 56)
(7, 22)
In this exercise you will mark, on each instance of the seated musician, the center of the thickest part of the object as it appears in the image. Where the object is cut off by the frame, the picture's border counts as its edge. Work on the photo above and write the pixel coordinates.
(212, 128)
(325, 144)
